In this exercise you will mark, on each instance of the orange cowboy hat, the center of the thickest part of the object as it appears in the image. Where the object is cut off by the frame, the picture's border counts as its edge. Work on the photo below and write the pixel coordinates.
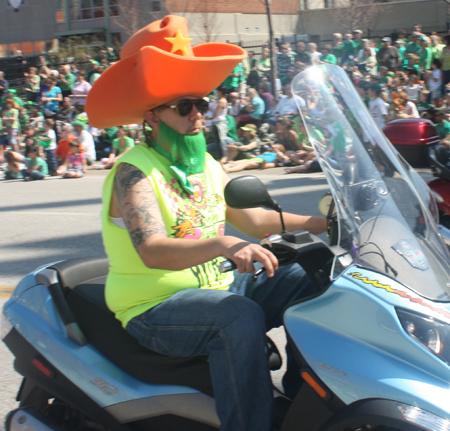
(158, 65)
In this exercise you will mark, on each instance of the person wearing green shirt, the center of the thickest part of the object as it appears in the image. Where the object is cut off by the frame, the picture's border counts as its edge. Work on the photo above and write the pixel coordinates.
(426, 54)
(413, 47)
(263, 63)
(443, 128)
(66, 80)
(120, 146)
(232, 82)
(326, 56)
(12, 94)
(357, 40)
(348, 49)
(36, 167)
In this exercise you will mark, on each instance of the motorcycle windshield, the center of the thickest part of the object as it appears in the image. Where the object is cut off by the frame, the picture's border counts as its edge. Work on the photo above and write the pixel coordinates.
(384, 220)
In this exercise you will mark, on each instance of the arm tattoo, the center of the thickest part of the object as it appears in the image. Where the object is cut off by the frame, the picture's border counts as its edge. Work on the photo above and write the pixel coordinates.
(138, 204)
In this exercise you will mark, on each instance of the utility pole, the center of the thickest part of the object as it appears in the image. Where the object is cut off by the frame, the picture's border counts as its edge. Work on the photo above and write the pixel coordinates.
(273, 61)
(107, 22)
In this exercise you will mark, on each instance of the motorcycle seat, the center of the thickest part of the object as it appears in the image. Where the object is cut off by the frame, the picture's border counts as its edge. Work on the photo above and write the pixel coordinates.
(440, 161)
(105, 332)
(83, 281)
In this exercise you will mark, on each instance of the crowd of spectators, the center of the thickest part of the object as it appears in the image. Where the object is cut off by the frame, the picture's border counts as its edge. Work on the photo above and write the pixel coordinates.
(47, 130)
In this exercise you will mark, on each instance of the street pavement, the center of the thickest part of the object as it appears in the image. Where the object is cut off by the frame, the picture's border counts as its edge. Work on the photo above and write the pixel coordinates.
(56, 219)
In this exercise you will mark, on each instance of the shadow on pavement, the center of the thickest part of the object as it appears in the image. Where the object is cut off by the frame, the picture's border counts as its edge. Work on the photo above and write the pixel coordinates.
(93, 201)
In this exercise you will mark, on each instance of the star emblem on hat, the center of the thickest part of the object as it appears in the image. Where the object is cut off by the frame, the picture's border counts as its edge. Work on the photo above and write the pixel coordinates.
(179, 42)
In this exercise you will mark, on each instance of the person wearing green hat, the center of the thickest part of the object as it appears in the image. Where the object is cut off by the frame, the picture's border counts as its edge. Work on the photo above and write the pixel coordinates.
(377, 106)
(12, 94)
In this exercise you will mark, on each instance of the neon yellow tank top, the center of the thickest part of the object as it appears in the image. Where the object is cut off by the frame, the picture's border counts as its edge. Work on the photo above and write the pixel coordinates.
(131, 287)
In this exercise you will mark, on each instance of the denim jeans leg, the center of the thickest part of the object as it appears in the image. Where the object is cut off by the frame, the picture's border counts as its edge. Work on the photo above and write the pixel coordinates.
(290, 283)
(51, 160)
(229, 329)
(37, 175)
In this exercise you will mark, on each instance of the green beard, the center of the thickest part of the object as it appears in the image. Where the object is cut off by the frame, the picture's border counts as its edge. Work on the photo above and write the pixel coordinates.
(190, 150)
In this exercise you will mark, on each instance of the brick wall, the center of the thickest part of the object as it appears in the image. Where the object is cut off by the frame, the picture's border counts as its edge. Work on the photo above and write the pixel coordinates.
(231, 6)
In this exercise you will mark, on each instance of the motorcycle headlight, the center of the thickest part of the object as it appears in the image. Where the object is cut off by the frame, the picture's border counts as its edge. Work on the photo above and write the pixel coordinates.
(423, 418)
(429, 332)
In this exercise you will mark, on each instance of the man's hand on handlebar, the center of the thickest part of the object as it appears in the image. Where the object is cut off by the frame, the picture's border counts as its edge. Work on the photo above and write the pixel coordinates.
(244, 254)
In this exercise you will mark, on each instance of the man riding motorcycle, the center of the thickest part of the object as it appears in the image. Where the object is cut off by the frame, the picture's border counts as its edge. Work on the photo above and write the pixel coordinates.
(167, 291)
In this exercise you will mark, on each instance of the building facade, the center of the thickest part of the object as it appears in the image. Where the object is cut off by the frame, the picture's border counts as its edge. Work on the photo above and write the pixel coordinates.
(39, 25)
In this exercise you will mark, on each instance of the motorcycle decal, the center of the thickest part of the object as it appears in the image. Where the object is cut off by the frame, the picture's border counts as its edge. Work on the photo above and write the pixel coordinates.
(412, 254)
(388, 288)
(104, 386)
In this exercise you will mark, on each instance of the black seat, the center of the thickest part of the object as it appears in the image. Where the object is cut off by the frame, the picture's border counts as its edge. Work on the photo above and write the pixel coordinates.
(442, 154)
(83, 281)
(106, 333)
(439, 158)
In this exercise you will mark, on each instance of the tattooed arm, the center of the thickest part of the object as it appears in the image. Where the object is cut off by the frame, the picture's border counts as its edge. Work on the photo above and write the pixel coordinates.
(134, 199)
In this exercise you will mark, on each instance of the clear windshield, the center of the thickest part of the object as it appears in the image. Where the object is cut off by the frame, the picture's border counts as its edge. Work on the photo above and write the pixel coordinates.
(382, 204)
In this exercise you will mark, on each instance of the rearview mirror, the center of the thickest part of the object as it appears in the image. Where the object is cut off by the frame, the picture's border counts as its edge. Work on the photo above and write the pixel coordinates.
(248, 192)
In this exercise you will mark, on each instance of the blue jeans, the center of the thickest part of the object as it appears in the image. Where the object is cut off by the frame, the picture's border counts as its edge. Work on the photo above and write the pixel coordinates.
(230, 327)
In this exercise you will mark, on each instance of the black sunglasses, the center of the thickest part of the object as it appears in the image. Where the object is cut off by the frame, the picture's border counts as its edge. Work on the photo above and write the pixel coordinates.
(184, 106)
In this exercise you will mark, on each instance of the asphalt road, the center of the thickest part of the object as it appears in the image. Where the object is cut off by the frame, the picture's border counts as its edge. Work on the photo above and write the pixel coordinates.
(56, 219)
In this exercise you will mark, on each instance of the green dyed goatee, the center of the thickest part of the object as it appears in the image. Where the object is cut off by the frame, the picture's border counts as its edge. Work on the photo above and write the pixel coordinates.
(190, 150)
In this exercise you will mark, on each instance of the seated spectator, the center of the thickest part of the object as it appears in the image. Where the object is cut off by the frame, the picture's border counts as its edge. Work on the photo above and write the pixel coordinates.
(327, 56)
(24, 119)
(36, 168)
(249, 145)
(287, 136)
(235, 105)
(377, 105)
(266, 96)
(10, 119)
(414, 87)
(64, 113)
(443, 128)
(86, 140)
(315, 55)
(287, 106)
(48, 141)
(254, 108)
(75, 164)
(424, 104)
(51, 98)
(120, 146)
(64, 144)
(12, 94)
(66, 80)
(263, 64)
(263, 161)
(13, 171)
(369, 61)
(81, 89)
(409, 108)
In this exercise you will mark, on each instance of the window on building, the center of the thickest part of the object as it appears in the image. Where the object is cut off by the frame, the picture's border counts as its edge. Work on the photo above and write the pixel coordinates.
(257, 30)
(114, 8)
(155, 6)
(85, 9)
(247, 30)
(304, 5)
(60, 11)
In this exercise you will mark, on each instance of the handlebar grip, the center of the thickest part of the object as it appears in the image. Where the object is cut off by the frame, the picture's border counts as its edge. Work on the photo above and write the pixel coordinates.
(227, 266)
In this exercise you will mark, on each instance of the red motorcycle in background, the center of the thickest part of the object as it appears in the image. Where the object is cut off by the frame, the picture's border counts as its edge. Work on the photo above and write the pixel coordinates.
(417, 140)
